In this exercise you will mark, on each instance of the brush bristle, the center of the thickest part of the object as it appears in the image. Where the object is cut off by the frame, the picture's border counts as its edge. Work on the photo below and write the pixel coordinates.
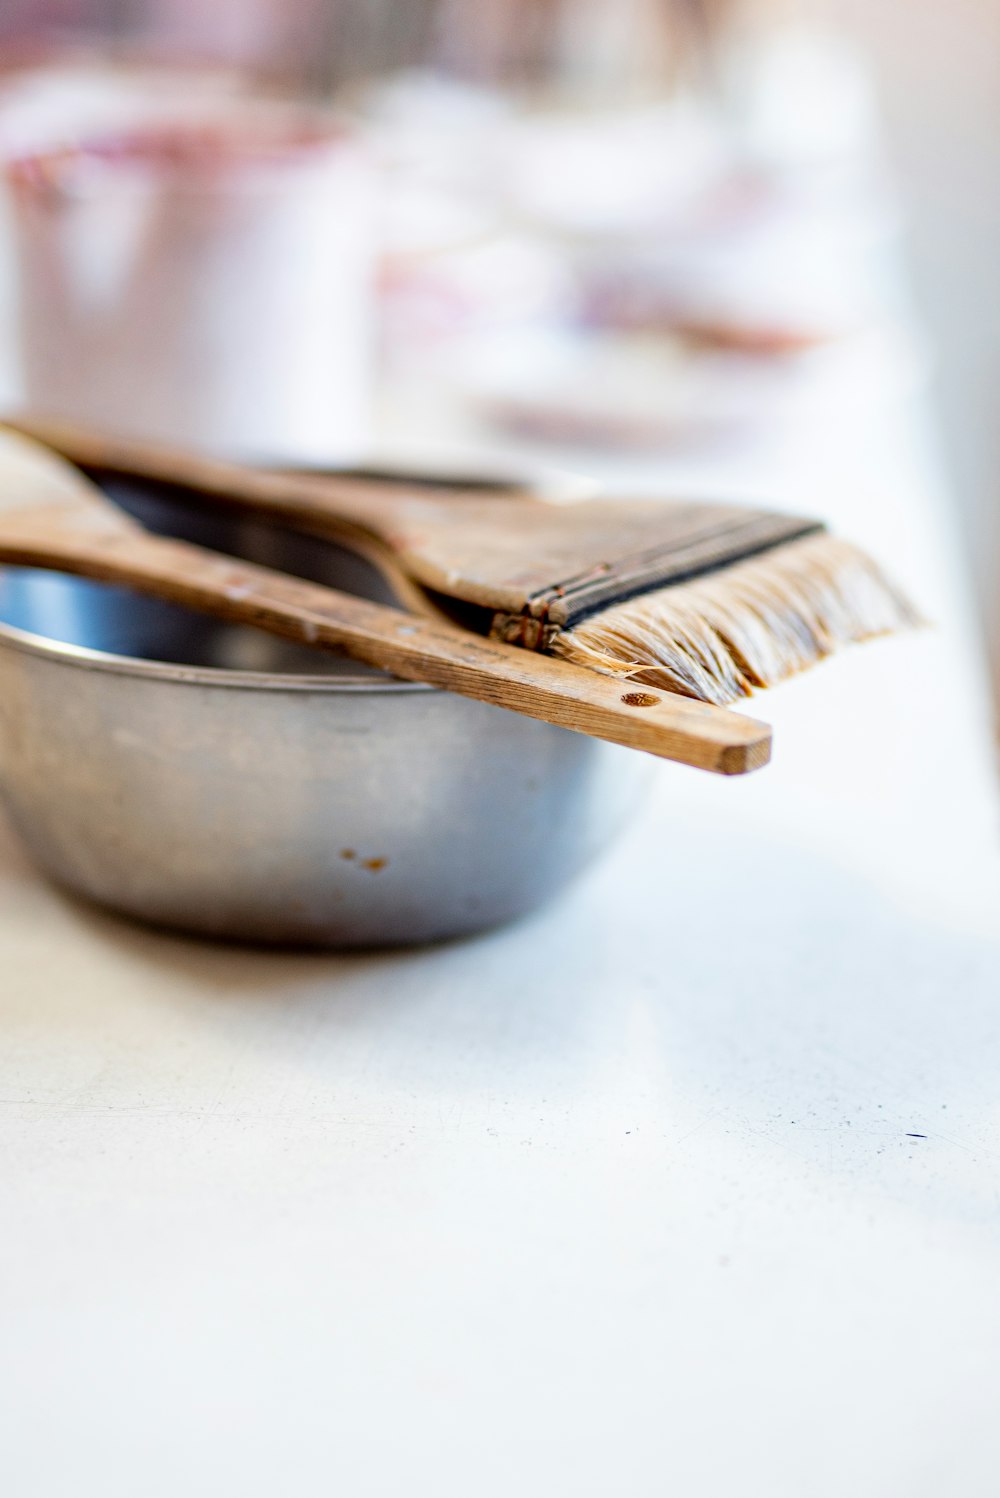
(750, 625)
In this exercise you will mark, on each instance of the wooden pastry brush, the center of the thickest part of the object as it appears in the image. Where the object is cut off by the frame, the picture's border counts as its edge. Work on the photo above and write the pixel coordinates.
(702, 599)
(52, 516)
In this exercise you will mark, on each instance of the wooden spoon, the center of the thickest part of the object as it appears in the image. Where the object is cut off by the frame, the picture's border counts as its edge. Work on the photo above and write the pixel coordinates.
(52, 516)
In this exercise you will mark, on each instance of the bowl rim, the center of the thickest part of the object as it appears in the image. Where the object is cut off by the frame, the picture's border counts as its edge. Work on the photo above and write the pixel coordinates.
(84, 657)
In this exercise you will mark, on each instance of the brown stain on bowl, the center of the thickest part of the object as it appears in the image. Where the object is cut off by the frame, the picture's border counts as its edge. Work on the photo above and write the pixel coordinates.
(373, 865)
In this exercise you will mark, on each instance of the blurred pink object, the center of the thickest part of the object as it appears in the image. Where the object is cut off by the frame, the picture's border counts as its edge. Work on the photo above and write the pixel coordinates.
(272, 36)
(276, 36)
(202, 282)
(26, 22)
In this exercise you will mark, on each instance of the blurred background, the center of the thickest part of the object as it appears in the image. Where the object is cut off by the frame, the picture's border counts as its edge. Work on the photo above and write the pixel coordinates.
(582, 233)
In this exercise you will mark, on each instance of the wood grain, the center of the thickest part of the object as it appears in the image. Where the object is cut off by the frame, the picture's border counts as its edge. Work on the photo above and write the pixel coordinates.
(80, 531)
(506, 553)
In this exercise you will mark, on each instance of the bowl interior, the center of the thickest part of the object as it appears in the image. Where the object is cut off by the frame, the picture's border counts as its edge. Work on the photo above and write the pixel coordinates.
(98, 617)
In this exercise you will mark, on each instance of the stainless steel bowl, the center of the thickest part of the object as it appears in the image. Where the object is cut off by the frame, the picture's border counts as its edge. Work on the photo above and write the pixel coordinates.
(213, 779)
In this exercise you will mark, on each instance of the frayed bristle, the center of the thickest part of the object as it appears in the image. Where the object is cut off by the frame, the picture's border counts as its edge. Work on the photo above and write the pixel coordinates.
(750, 625)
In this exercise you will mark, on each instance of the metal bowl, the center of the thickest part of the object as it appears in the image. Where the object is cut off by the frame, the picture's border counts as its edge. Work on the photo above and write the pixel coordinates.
(213, 779)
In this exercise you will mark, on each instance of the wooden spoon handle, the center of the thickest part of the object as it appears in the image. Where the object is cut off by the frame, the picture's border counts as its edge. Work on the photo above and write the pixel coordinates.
(418, 649)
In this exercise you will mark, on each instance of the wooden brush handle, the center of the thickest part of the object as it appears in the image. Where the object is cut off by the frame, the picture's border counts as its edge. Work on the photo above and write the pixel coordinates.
(513, 555)
(411, 647)
(323, 502)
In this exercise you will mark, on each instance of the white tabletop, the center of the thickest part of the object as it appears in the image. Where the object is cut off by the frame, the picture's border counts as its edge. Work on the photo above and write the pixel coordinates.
(688, 1184)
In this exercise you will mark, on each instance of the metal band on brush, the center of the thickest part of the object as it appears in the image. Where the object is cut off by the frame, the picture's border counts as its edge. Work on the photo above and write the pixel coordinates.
(561, 607)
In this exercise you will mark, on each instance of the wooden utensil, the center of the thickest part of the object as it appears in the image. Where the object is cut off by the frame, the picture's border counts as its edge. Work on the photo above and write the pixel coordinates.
(706, 600)
(52, 516)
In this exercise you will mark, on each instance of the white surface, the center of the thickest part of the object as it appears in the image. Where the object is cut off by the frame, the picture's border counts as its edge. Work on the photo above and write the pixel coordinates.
(623, 1200)
(620, 1200)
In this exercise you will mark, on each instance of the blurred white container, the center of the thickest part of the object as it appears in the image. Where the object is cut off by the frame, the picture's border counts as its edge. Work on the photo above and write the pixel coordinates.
(61, 96)
(202, 281)
(69, 95)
